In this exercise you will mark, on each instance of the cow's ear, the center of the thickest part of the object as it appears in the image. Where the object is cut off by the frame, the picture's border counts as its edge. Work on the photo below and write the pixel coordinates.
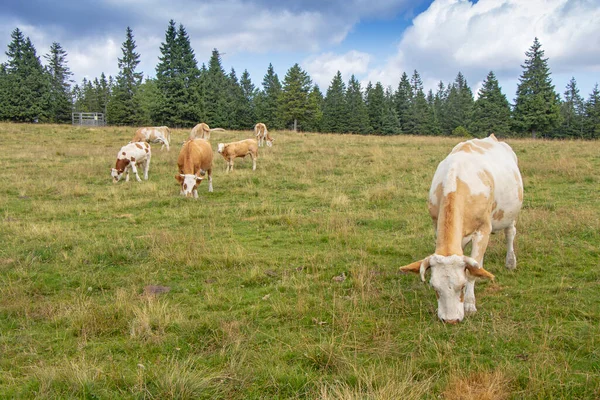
(419, 267)
(475, 269)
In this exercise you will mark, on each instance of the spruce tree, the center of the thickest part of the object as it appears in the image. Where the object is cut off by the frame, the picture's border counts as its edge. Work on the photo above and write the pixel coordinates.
(216, 92)
(358, 116)
(391, 123)
(235, 103)
(314, 118)
(573, 112)
(148, 97)
(187, 76)
(335, 114)
(61, 103)
(402, 101)
(247, 112)
(267, 100)
(537, 109)
(421, 118)
(166, 78)
(459, 105)
(433, 124)
(592, 115)
(439, 109)
(376, 106)
(491, 111)
(293, 101)
(26, 83)
(122, 108)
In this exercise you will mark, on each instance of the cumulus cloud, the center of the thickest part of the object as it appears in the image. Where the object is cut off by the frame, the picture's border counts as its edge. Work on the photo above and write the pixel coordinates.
(323, 67)
(459, 35)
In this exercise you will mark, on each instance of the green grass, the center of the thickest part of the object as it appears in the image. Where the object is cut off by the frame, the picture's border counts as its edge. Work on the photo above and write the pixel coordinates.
(253, 312)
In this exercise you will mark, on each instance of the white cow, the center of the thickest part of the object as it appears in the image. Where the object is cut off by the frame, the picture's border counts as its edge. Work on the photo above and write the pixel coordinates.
(130, 156)
(155, 134)
(475, 191)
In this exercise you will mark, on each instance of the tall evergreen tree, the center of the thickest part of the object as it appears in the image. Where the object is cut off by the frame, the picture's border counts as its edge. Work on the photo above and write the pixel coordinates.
(358, 115)
(573, 112)
(293, 101)
(60, 102)
(216, 92)
(166, 78)
(267, 100)
(421, 118)
(459, 105)
(391, 123)
(247, 112)
(188, 74)
(335, 114)
(537, 104)
(26, 84)
(315, 110)
(123, 108)
(440, 108)
(148, 97)
(235, 102)
(375, 100)
(402, 100)
(592, 114)
(491, 111)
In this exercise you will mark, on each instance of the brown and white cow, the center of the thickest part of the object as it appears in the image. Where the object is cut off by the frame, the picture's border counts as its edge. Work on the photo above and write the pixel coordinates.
(130, 156)
(230, 151)
(261, 133)
(155, 134)
(194, 162)
(475, 191)
(202, 131)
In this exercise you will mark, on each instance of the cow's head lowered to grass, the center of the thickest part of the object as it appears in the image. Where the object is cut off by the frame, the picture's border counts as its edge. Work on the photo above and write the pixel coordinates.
(449, 276)
(189, 183)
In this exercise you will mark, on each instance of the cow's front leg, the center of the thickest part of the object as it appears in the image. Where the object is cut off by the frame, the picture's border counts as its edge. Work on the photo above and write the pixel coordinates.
(253, 162)
(134, 169)
(210, 186)
(480, 241)
(127, 173)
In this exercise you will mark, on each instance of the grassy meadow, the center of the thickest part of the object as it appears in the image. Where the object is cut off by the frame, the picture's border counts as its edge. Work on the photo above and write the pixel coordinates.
(253, 311)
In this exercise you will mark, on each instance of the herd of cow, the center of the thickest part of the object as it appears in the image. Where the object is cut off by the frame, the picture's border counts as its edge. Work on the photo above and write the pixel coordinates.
(476, 190)
(195, 158)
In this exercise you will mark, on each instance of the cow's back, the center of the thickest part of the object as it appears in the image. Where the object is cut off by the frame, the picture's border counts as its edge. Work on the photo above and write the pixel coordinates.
(486, 167)
(195, 154)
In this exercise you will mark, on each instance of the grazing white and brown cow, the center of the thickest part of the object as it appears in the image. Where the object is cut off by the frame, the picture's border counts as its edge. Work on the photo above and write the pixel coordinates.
(475, 191)
(130, 156)
(194, 162)
(202, 131)
(230, 151)
(155, 134)
(261, 133)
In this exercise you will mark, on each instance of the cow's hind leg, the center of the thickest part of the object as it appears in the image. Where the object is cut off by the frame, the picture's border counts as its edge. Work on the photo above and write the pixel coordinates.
(146, 168)
(210, 186)
(253, 162)
(511, 259)
(480, 241)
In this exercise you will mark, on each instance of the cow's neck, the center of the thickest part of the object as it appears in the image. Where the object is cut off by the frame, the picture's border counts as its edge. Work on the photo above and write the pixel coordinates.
(450, 225)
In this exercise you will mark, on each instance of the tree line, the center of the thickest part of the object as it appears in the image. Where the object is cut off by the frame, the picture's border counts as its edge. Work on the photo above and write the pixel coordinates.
(182, 93)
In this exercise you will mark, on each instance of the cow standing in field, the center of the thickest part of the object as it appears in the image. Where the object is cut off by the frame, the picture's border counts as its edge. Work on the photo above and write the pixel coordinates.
(194, 162)
(156, 134)
(230, 151)
(261, 133)
(475, 191)
(130, 156)
(202, 131)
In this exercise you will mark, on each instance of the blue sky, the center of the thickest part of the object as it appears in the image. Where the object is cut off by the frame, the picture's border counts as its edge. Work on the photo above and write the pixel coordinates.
(374, 39)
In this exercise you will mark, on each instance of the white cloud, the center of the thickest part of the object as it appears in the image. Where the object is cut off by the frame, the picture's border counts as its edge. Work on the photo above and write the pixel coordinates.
(323, 67)
(458, 35)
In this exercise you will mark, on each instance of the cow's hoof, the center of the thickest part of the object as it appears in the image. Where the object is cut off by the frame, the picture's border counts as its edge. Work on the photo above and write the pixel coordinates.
(470, 308)
(511, 261)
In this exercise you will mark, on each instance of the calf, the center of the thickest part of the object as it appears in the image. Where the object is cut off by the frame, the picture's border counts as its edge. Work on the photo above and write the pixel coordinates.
(202, 131)
(194, 162)
(261, 133)
(156, 134)
(130, 156)
(475, 191)
(230, 151)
